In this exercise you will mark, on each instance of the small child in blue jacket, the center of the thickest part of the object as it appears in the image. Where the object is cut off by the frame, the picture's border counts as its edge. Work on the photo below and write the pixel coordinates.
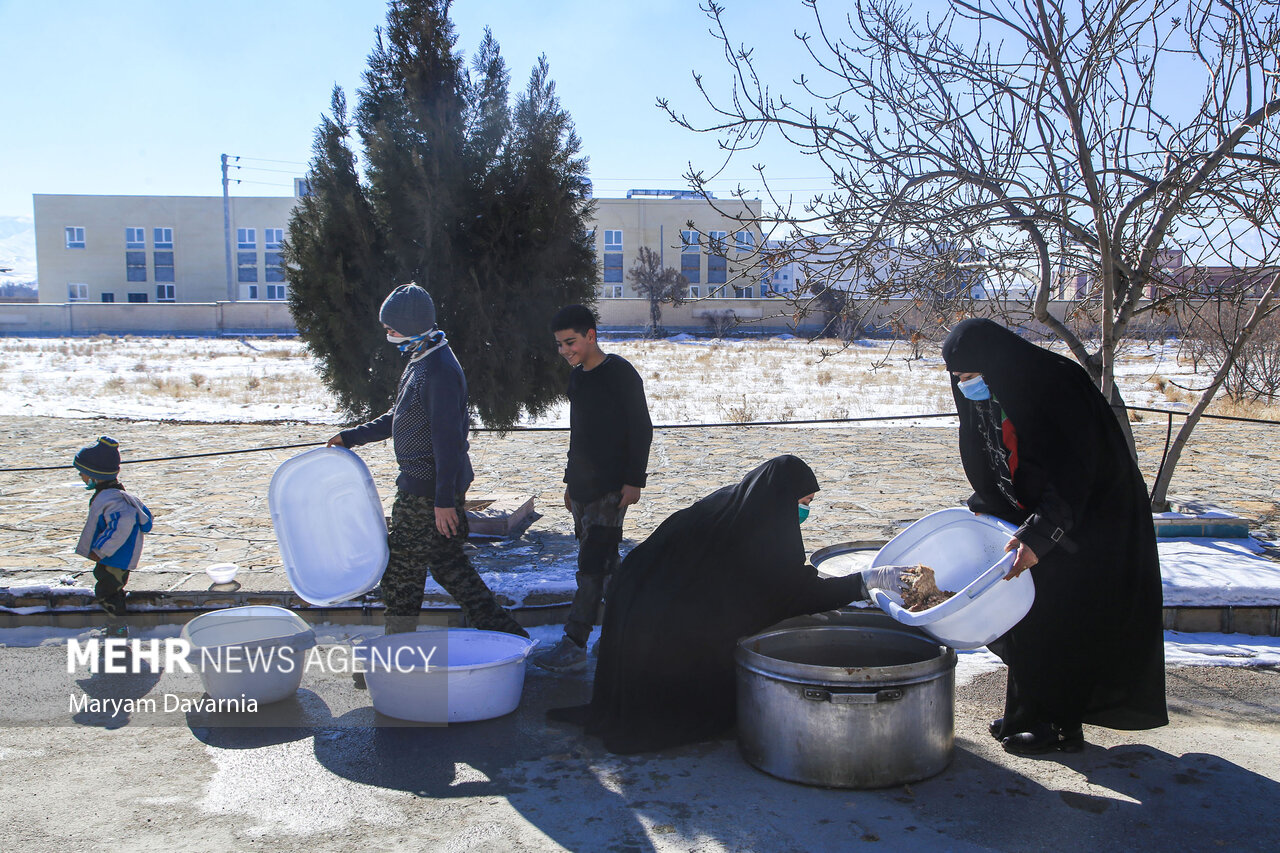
(112, 536)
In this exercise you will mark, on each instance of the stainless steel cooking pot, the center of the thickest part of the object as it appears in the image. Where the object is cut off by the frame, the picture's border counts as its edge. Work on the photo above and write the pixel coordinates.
(853, 700)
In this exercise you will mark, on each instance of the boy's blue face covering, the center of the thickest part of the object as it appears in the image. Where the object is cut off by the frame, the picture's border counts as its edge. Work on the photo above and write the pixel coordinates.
(804, 513)
(91, 485)
(974, 389)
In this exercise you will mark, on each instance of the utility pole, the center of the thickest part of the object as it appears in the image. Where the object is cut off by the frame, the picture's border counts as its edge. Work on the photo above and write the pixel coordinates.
(226, 230)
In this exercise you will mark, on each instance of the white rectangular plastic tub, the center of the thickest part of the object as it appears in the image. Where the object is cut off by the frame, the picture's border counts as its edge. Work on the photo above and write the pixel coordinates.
(255, 652)
(471, 675)
(966, 553)
(329, 525)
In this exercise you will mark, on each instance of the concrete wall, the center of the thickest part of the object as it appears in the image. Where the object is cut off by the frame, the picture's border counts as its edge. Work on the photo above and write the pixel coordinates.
(191, 318)
(769, 316)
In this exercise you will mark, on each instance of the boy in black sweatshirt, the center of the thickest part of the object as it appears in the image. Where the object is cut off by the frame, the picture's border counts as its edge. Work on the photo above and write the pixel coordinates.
(609, 437)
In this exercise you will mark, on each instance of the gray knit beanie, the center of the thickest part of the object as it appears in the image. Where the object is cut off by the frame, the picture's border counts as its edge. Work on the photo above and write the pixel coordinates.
(409, 310)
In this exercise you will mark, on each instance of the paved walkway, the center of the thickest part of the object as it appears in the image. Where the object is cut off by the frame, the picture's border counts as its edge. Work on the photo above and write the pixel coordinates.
(875, 479)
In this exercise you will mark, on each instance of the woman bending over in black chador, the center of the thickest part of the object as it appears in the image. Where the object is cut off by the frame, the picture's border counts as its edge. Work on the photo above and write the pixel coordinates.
(726, 567)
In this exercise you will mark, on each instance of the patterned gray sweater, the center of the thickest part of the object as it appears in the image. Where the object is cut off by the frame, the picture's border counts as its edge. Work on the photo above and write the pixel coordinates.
(428, 428)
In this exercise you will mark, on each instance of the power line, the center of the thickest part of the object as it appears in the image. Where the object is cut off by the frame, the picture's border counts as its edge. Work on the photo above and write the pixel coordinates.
(705, 425)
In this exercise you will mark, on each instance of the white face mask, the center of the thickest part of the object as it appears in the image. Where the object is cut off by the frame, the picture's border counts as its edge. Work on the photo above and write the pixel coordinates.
(975, 388)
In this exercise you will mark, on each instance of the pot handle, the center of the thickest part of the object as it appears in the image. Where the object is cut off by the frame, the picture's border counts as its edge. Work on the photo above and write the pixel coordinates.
(817, 694)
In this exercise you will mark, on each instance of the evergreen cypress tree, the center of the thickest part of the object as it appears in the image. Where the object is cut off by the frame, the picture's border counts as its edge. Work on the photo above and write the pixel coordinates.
(528, 254)
(337, 270)
(485, 206)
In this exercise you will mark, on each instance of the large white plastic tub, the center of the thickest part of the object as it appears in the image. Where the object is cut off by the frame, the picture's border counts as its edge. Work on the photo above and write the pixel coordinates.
(329, 524)
(966, 553)
(472, 674)
(256, 652)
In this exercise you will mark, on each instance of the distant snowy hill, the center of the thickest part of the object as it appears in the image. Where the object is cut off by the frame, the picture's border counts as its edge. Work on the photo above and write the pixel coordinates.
(17, 249)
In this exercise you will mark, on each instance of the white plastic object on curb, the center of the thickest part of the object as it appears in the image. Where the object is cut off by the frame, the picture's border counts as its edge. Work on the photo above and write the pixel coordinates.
(451, 675)
(254, 652)
(966, 553)
(329, 525)
(222, 572)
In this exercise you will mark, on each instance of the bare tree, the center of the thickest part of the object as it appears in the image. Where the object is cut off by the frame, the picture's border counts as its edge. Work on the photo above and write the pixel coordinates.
(658, 284)
(1090, 142)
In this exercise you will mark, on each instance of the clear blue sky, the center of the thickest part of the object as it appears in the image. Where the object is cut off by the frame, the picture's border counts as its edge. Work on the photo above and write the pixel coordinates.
(142, 97)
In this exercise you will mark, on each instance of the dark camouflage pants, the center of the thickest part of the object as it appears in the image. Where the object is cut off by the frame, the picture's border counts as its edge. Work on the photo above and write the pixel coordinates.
(109, 591)
(598, 528)
(415, 546)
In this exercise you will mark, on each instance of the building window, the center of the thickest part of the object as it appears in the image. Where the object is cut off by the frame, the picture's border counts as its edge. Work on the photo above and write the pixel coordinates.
(742, 292)
(613, 266)
(108, 297)
(162, 238)
(247, 238)
(688, 241)
(137, 297)
(691, 267)
(164, 293)
(716, 242)
(135, 266)
(275, 291)
(272, 238)
(163, 263)
(612, 241)
(611, 291)
(77, 293)
(135, 238)
(247, 264)
(695, 291)
(745, 241)
(75, 237)
(717, 269)
(274, 267)
(253, 291)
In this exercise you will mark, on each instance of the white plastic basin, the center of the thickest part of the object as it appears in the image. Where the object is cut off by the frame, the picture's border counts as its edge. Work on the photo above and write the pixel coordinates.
(255, 652)
(222, 572)
(472, 674)
(966, 553)
(329, 525)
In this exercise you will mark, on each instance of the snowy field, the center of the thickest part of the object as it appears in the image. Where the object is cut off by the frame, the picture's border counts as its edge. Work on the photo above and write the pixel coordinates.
(687, 380)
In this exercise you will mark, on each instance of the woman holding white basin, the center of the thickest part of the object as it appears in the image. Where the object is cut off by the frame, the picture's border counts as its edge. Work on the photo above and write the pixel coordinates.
(1043, 450)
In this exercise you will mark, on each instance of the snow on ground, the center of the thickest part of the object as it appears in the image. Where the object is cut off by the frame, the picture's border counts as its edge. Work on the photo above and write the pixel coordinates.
(1218, 572)
(784, 378)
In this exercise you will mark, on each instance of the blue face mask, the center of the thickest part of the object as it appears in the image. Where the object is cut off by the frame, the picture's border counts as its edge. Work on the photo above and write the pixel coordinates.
(974, 389)
(91, 485)
(804, 513)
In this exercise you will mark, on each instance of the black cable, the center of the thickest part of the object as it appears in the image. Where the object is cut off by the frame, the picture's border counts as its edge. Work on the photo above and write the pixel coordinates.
(499, 430)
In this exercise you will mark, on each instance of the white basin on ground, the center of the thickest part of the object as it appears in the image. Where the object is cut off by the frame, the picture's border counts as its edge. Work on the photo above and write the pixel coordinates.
(451, 675)
(256, 652)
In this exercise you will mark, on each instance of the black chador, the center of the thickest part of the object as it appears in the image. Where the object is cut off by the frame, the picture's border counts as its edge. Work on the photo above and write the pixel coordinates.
(1045, 452)
(726, 567)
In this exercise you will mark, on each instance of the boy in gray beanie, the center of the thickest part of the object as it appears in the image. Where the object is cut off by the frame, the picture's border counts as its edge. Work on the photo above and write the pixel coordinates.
(112, 536)
(427, 426)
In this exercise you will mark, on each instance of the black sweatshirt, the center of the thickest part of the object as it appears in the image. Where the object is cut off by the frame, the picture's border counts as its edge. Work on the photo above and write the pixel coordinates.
(609, 430)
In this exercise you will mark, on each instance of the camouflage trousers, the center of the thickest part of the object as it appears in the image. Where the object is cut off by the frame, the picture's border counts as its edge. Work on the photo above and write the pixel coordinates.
(416, 546)
(597, 525)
